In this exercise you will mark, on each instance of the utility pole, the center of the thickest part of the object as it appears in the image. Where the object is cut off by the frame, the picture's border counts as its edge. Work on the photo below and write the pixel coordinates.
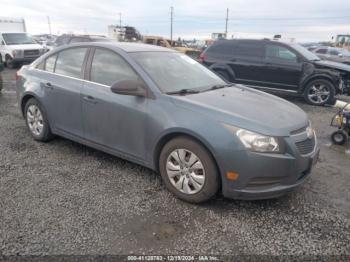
(171, 24)
(226, 21)
(120, 21)
(48, 21)
(120, 37)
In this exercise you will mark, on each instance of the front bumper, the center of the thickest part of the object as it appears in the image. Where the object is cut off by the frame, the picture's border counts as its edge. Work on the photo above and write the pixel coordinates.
(264, 176)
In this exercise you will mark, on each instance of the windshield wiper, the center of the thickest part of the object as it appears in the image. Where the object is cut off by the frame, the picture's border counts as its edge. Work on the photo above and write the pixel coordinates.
(214, 87)
(183, 92)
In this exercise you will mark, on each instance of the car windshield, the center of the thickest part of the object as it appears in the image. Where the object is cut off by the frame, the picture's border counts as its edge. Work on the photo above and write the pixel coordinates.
(173, 72)
(18, 39)
(304, 52)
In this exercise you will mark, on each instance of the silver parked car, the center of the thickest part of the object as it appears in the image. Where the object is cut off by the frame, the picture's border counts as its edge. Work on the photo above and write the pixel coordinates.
(334, 54)
(163, 110)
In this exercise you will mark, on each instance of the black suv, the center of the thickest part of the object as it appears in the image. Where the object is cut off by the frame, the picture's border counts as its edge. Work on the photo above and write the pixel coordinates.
(274, 65)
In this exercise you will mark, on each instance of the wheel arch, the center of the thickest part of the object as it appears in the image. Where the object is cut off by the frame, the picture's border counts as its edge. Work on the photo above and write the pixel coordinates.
(7, 55)
(318, 77)
(26, 97)
(165, 138)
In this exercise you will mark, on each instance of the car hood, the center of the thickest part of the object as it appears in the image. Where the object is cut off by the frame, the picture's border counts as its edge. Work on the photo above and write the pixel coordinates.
(334, 65)
(247, 108)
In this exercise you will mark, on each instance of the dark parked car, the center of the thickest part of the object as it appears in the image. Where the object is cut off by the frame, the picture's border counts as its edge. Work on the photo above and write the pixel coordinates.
(274, 65)
(334, 54)
(163, 110)
(71, 39)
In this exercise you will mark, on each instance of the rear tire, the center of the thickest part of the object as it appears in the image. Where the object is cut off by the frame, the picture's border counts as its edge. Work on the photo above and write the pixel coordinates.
(319, 92)
(340, 137)
(37, 122)
(193, 177)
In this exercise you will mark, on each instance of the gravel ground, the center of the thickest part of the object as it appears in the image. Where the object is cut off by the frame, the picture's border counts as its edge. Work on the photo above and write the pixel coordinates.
(64, 198)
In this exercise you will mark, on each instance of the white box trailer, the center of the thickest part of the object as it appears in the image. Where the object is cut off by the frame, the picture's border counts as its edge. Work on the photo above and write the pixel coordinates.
(8, 24)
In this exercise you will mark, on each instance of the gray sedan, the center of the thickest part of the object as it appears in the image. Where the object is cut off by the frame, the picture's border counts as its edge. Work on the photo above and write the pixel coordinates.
(163, 110)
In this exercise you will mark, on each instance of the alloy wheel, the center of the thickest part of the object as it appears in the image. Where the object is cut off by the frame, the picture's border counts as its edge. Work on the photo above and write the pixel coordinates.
(318, 93)
(185, 171)
(35, 120)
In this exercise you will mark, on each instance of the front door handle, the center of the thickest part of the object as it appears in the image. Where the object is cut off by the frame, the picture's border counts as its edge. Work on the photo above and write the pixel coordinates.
(48, 85)
(90, 99)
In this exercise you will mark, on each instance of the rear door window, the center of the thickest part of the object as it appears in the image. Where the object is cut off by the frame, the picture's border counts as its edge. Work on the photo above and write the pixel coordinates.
(276, 52)
(108, 68)
(70, 61)
(224, 48)
(249, 49)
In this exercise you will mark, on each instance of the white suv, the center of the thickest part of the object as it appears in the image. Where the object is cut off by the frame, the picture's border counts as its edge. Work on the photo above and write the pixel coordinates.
(19, 48)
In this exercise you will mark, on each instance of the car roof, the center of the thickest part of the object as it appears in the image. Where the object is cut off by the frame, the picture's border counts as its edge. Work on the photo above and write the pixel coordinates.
(263, 40)
(124, 46)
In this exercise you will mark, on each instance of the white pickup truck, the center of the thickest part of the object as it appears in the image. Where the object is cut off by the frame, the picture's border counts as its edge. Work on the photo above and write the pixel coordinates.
(16, 46)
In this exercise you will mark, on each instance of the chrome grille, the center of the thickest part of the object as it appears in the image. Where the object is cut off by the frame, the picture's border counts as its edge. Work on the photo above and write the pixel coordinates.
(306, 147)
(30, 53)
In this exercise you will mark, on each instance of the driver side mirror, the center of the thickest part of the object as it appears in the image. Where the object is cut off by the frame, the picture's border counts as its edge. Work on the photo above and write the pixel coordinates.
(2, 42)
(340, 55)
(129, 87)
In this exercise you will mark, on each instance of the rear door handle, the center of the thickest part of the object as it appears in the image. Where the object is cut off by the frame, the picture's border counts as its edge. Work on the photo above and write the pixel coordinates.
(90, 99)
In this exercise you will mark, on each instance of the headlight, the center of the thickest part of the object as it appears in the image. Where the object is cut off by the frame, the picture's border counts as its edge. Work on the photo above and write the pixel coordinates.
(17, 53)
(257, 142)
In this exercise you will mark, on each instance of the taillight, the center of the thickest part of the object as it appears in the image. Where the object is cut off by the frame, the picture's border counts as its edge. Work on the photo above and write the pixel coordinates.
(202, 58)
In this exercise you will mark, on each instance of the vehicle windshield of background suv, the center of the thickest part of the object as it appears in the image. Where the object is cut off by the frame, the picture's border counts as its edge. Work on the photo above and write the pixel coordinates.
(17, 39)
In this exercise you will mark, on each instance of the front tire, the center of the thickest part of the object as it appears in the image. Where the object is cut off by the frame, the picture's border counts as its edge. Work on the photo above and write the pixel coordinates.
(37, 122)
(9, 63)
(340, 137)
(188, 170)
(319, 92)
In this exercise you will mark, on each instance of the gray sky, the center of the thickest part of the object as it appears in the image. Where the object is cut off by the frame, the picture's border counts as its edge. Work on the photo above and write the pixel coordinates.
(305, 20)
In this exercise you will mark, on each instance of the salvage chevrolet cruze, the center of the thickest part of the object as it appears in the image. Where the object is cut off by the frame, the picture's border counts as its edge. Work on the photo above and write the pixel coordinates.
(163, 110)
